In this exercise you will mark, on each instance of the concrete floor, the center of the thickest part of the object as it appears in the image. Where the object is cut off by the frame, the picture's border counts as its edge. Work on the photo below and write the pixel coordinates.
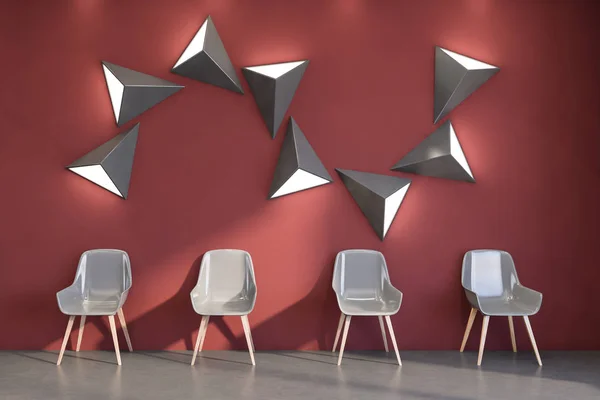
(32, 375)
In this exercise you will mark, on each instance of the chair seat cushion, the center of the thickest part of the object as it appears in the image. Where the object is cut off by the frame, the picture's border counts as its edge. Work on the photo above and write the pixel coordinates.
(86, 307)
(507, 307)
(231, 307)
(368, 307)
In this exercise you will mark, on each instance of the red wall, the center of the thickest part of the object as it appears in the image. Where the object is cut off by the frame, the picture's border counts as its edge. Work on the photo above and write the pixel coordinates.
(204, 164)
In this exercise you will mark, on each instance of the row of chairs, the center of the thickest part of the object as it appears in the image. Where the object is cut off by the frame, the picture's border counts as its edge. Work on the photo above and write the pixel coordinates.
(227, 286)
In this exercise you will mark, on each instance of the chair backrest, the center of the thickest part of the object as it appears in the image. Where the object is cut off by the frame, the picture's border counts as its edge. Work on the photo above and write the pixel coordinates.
(226, 275)
(103, 274)
(489, 273)
(359, 274)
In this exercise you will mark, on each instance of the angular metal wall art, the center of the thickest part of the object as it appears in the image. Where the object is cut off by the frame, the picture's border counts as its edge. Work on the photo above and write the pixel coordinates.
(205, 59)
(456, 78)
(273, 87)
(378, 196)
(132, 93)
(439, 155)
(109, 165)
(298, 167)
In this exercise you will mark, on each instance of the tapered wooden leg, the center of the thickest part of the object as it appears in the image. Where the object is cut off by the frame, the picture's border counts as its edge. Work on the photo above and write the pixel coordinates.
(80, 333)
(484, 328)
(339, 330)
(65, 339)
(385, 343)
(393, 337)
(113, 329)
(246, 325)
(252, 341)
(344, 337)
(468, 330)
(513, 339)
(207, 317)
(124, 326)
(200, 338)
(532, 338)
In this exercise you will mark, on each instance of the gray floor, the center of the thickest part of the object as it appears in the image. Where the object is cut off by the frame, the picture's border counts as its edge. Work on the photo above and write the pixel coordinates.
(299, 375)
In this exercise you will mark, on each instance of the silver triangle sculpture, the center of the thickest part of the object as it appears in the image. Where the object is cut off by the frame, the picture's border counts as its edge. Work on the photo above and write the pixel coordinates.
(273, 87)
(298, 167)
(439, 155)
(132, 92)
(378, 196)
(109, 165)
(456, 78)
(205, 59)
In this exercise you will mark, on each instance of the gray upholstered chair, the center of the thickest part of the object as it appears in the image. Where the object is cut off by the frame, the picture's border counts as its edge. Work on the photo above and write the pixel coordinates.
(226, 286)
(362, 285)
(492, 287)
(101, 284)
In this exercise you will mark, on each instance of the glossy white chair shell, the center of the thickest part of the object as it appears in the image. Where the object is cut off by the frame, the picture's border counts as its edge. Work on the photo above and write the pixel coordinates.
(362, 286)
(226, 286)
(492, 287)
(100, 288)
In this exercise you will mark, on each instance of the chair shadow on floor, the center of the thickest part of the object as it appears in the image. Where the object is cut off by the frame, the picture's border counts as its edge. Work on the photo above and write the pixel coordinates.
(51, 356)
(184, 357)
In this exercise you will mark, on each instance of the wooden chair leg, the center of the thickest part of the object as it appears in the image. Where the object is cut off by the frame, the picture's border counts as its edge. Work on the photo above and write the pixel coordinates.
(468, 330)
(200, 338)
(532, 338)
(246, 325)
(339, 330)
(344, 337)
(113, 329)
(393, 337)
(385, 343)
(252, 341)
(484, 328)
(80, 333)
(513, 339)
(207, 317)
(65, 339)
(124, 326)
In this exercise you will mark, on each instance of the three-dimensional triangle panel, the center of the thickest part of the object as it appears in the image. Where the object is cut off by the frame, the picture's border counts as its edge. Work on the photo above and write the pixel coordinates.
(378, 196)
(439, 155)
(298, 167)
(110, 164)
(456, 78)
(273, 87)
(205, 59)
(132, 93)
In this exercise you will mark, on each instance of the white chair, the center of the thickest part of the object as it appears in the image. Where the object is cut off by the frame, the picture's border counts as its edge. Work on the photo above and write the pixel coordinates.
(101, 285)
(492, 287)
(362, 285)
(226, 286)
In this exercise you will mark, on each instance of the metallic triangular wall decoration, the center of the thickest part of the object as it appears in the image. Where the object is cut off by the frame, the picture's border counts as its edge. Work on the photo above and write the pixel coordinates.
(298, 167)
(456, 78)
(378, 196)
(109, 165)
(439, 155)
(206, 60)
(273, 87)
(132, 93)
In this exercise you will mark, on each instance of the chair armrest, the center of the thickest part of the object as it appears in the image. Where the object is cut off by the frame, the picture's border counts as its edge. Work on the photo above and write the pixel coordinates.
(390, 292)
(196, 292)
(473, 299)
(67, 295)
(528, 296)
(252, 292)
(123, 297)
